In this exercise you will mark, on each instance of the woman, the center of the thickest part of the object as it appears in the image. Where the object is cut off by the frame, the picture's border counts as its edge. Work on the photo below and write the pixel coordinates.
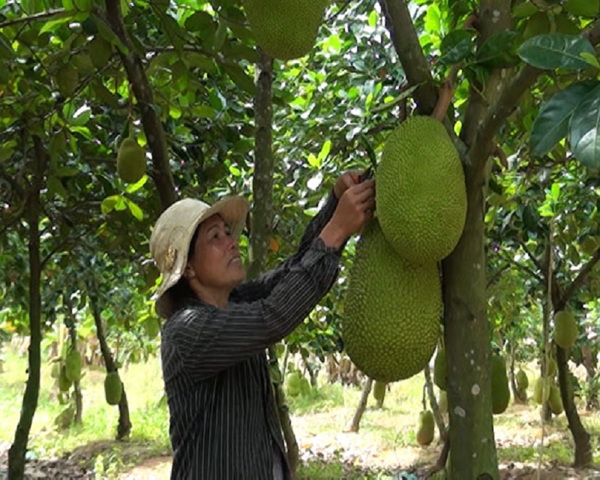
(223, 417)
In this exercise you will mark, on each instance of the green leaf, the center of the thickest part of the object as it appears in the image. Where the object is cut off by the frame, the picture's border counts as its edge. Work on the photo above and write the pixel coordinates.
(499, 50)
(373, 18)
(56, 187)
(59, 20)
(524, 10)
(236, 172)
(75, 115)
(134, 187)
(585, 131)
(552, 123)
(64, 171)
(108, 35)
(198, 21)
(240, 78)
(204, 111)
(135, 210)
(325, 149)
(583, 8)
(456, 46)
(556, 50)
(7, 149)
(591, 59)
(313, 161)
(6, 50)
(108, 204)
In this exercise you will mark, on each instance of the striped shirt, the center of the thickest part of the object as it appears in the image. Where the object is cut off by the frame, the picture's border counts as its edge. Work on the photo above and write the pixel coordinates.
(223, 417)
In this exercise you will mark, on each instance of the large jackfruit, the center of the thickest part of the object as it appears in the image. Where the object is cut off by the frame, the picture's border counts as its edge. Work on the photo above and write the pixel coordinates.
(285, 29)
(565, 329)
(500, 390)
(421, 196)
(392, 308)
(73, 366)
(522, 380)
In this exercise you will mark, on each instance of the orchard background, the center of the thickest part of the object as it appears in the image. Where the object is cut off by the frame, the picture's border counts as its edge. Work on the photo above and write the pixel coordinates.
(217, 115)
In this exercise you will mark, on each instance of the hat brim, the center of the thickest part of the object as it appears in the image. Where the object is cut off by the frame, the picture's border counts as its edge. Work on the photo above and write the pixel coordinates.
(233, 210)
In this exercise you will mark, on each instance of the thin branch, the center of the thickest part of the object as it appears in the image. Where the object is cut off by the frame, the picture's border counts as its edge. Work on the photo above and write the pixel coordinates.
(496, 275)
(37, 16)
(531, 256)
(525, 268)
(578, 281)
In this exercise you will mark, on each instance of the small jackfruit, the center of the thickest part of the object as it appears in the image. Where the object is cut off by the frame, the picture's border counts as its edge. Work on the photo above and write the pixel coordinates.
(565, 329)
(522, 380)
(443, 401)
(392, 310)
(73, 366)
(294, 384)
(379, 391)
(541, 390)
(439, 369)
(421, 195)
(64, 383)
(285, 29)
(555, 401)
(131, 161)
(113, 388)
(425, 428)
(552, 367)
(500, 390)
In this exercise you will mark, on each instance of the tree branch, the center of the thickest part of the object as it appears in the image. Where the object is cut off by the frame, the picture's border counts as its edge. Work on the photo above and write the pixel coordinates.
(37, 16)
(531, 256)
(153, 128)
(406, 42)
(578, 281)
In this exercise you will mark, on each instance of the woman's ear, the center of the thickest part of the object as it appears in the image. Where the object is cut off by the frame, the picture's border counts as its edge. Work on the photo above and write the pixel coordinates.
(189, 272)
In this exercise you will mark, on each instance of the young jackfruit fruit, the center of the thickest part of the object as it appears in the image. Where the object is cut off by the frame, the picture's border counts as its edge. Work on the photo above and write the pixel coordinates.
(113, 388)
(131, 161)
(379, 391)
(391, 323)
(439, 369)
(285, 29)
(541, 390)
(73, 366)
(443, 401)
(522, 380)
(421, 195)
(500, 390)
(294, 384)
(425, 428)
(64, 383)
(555, 401)
(552, 367)
(565, 329)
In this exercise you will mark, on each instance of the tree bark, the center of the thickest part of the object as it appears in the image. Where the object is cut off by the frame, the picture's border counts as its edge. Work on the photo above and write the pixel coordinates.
(18, 449)
(124, 425)
(155, 134)
(468, 351)
(362, 405)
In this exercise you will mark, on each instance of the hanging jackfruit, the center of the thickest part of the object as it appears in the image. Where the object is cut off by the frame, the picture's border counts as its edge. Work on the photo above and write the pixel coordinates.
(379, 391)
(73, 366)
(425, 428)
(285, 29)
(113, 388)
(565, 329)
(541, 390)
(294, 384)
(500, 390)
(555, 401)
(439, 369)
(421, 195)
(522, 380)
(391, 323)
(131, 161)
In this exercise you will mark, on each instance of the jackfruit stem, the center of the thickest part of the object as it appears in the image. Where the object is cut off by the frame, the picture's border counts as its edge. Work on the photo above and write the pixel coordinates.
(444, 99)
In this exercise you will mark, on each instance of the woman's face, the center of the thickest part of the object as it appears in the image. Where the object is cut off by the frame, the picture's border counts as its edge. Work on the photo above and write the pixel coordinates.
(216, 257)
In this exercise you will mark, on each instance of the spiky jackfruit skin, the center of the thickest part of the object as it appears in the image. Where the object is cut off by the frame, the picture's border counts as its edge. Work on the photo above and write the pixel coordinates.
(565, 329)
(285, 29)
(421, 196)
(392, 309)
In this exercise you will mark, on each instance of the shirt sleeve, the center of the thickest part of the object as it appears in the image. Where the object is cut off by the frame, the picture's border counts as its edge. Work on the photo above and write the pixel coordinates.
(209, 339)
(264, 284)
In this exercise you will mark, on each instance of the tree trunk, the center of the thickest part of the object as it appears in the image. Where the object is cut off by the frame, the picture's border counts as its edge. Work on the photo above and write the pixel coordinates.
(311, 371)
(581, 438)
(362, 405)
(468, 352)
(590, 368)
(124, 426)
(437, 415)
(16, 454)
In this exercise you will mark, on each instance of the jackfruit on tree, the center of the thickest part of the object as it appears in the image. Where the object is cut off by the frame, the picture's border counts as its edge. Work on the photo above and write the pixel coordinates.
(443, 401)
(64, 383)
(285, 29)
(500, 390)
(439, 369)
(555, 401)
(113, 388)
(131, 161)
(565, 329)
(425, 428)
(421, 195)
(379, 391)
(73, 366)
(541, 390)
(522, 381)
(391, 323)
(294, 384)
(552, 367)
